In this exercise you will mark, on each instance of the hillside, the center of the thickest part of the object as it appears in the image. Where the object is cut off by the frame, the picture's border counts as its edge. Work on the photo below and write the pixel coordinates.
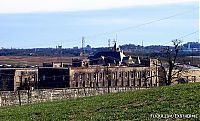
(132, 105)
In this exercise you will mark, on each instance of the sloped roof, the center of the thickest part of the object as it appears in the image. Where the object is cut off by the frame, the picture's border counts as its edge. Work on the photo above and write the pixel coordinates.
(110, 54)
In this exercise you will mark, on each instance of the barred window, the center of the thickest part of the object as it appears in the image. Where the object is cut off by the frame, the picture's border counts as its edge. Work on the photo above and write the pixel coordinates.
(80, 76)
(113, 75)
(88, 76)
(126, 74)
(139, 74)
(101, 75)
(193, 78)
(120, 74)
(132, 74)
(94, 75)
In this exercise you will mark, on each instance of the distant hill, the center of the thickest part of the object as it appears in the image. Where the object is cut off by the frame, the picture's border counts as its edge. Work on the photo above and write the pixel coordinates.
(132, 105)
(192, 45)
(88, 50)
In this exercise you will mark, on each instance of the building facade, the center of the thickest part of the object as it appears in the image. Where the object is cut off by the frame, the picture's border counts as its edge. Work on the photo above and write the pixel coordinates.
(182, 74)
(53, 77)
(104, 69)
(99, 76)
(18, 78)
(103, 76)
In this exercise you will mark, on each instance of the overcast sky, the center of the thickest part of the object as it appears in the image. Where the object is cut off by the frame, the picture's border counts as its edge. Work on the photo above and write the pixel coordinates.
(47, 23)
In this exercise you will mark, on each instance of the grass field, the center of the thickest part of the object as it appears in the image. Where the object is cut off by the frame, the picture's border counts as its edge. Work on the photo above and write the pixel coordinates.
(132, 105)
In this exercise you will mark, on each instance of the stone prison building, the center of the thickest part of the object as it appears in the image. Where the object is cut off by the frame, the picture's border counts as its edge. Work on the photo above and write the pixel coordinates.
(102, 76)
(104, 69)
(99, 76)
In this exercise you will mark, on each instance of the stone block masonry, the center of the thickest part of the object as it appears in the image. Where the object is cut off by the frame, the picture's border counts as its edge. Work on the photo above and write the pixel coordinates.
(23, 97)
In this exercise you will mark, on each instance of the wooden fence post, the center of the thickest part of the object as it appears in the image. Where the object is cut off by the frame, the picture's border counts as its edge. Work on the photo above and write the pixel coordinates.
(0, 100)
(19, 97)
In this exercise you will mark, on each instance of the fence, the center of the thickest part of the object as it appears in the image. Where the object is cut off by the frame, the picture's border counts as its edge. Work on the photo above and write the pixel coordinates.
(22, 97)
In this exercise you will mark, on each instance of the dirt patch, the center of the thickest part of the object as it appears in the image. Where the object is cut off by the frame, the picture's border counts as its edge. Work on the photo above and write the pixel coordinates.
(35, 59)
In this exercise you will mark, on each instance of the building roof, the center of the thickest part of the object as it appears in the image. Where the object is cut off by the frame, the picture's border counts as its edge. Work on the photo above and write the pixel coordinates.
(189, 67)
(18, 68)
(118, 56)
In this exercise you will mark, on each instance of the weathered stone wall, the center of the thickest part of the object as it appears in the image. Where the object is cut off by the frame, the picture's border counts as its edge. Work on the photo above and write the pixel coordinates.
(22, 97)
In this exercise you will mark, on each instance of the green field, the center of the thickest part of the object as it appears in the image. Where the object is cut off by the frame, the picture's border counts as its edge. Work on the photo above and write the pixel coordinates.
(132, 105)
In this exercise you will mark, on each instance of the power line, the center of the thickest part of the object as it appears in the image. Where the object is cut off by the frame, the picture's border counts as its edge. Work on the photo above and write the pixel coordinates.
(184, 36)
(140, 25)
(188, 34)
(136, 26)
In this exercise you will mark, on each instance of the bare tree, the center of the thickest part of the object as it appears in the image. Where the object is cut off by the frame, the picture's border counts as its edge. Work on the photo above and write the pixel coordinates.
(169, 66)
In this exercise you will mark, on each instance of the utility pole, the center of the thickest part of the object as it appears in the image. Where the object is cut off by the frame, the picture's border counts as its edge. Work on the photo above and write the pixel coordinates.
(142, 43)
(114, 41)
(142, 50)
(108, 78)
(192, 57)
(109, 43)
(107, 75)
(83, 45)
(19, 96)
(116, 37)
